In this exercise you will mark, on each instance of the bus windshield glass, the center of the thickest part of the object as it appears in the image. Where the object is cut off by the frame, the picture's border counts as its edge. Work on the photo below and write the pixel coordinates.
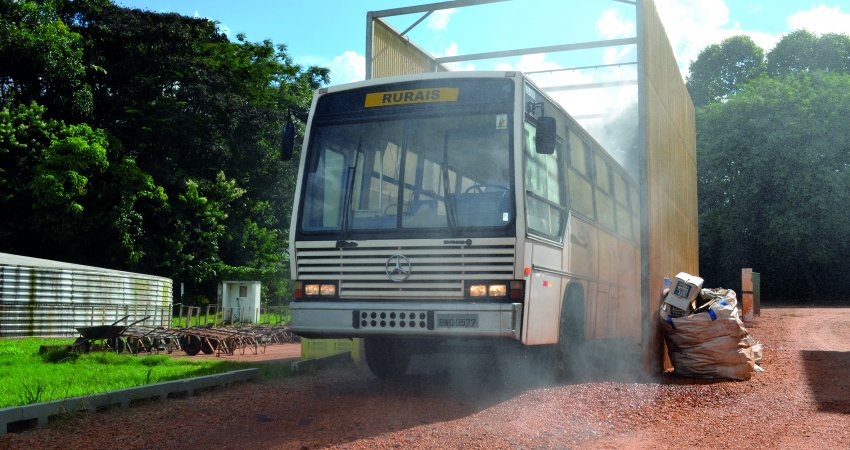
(410, 173)
(437, 172)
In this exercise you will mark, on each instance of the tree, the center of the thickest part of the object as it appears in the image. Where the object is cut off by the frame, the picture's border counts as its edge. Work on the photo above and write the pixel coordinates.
(833, 53)
(152, 136)
(774, 170)
(190, 106)
(65, 192)
(802, 51)
(176, 170)
(24, 134)
(42, 60)
(720, 70)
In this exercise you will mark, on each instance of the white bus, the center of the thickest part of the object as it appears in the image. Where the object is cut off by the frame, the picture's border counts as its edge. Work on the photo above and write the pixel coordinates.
(463, 208)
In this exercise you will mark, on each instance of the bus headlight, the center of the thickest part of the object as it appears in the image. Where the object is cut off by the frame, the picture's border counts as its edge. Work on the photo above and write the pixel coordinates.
(311, 290)
(513, 290)
(306, 289)
(497, 290)
(327, 290)
(478, 290)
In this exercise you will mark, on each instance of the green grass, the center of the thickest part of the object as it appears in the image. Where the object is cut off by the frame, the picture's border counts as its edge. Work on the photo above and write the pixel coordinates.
(29, 377)
(274, 318)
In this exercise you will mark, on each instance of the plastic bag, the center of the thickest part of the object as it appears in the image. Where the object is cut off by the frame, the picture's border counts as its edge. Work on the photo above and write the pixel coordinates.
(712, 342)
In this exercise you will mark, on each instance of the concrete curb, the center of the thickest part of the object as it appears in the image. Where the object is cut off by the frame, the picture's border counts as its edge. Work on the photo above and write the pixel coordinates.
(27, 416)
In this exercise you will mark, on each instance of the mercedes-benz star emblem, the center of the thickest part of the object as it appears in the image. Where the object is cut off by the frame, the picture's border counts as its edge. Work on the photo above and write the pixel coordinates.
(398, 268)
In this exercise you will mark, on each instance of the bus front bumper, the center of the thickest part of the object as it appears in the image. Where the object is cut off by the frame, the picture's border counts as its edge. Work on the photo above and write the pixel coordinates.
(360, 319)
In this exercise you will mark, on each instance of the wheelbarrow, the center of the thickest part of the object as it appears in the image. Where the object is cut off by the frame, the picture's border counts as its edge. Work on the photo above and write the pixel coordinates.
(107, 336)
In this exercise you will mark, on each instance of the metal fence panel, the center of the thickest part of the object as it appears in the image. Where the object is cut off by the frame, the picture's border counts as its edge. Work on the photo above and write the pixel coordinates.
(49, 298)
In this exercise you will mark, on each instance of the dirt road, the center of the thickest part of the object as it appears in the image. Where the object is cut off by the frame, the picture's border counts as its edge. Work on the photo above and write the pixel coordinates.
(802, 400)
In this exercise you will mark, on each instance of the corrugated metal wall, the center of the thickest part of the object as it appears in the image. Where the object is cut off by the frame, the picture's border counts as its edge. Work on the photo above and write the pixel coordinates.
(48, 298)
(393, 55)
(671, 169)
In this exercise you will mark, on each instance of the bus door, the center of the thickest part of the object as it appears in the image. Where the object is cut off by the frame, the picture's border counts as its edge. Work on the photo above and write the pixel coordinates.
(545, 203)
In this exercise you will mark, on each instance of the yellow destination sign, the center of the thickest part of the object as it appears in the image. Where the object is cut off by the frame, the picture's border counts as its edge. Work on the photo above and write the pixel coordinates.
(432, 95)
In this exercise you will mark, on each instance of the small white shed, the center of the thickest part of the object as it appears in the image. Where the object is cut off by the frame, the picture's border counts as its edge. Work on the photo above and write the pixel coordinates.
(239, 301)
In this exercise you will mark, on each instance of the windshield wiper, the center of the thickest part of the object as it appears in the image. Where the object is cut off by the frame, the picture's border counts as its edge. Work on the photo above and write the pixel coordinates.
(349, 192)
(451, 212)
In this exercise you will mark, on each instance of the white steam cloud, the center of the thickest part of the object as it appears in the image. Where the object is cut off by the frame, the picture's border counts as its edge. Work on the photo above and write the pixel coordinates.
(439, 20)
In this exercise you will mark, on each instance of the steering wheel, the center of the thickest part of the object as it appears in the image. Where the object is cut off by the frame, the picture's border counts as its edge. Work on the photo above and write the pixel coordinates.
(388, 208)
(481, 188)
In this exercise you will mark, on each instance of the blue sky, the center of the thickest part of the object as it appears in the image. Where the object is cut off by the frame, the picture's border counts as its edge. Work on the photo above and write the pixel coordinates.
(331, 33)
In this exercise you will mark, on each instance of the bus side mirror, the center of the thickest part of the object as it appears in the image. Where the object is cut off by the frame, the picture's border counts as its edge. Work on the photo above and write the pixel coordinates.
(546, 128)
(287, 141)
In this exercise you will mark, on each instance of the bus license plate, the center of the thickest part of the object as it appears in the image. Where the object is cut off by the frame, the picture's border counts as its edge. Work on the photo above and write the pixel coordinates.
(457, 320)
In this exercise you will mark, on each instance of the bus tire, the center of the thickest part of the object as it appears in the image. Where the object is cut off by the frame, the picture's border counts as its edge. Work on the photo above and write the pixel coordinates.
(569, 350)
(387, 358)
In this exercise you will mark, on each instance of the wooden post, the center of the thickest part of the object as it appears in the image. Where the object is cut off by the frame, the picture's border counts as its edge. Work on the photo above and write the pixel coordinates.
(747, 295)
(207, 315)
(757, 293)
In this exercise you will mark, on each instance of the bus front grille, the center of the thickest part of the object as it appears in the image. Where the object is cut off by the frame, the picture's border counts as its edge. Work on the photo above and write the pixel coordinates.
(428, 269)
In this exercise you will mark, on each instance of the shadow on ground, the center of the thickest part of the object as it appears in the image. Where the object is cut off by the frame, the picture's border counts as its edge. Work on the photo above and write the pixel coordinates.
(827, 375)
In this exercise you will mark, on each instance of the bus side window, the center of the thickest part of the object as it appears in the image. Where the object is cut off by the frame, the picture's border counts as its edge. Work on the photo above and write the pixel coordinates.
(635, 204)
(624, 210)
(545, 197)
(581, 192)
(322, 210)
(604, 202)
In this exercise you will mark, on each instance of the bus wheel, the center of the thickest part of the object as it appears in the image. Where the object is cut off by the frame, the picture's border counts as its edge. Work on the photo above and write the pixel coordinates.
(570, 349)
(387, 359)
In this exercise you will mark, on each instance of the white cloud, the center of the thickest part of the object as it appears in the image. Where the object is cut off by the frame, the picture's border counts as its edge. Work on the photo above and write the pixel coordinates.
(226, 30)
(614, 55)
(439, 20)
(693, 25)
(531, 63)
(821, 19)
(613, 25)
(348, 67)
(452, 50)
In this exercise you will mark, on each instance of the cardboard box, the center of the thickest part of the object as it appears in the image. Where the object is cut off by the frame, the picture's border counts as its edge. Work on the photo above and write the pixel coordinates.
(683, 292)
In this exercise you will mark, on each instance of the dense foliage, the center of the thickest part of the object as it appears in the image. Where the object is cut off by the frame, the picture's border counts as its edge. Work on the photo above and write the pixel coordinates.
(773, 145)
(147, 142)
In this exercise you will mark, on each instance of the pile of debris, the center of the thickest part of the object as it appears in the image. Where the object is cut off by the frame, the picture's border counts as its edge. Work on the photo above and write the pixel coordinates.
(704, 333)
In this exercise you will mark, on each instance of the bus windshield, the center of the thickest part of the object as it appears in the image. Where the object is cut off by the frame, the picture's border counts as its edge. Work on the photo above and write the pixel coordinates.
(410, 172)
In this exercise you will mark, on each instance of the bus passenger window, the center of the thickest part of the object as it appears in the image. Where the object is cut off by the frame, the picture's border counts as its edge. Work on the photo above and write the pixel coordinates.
(624, 213)
(544, 186)
(581, 191)
(577, 154)
(604, 202)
